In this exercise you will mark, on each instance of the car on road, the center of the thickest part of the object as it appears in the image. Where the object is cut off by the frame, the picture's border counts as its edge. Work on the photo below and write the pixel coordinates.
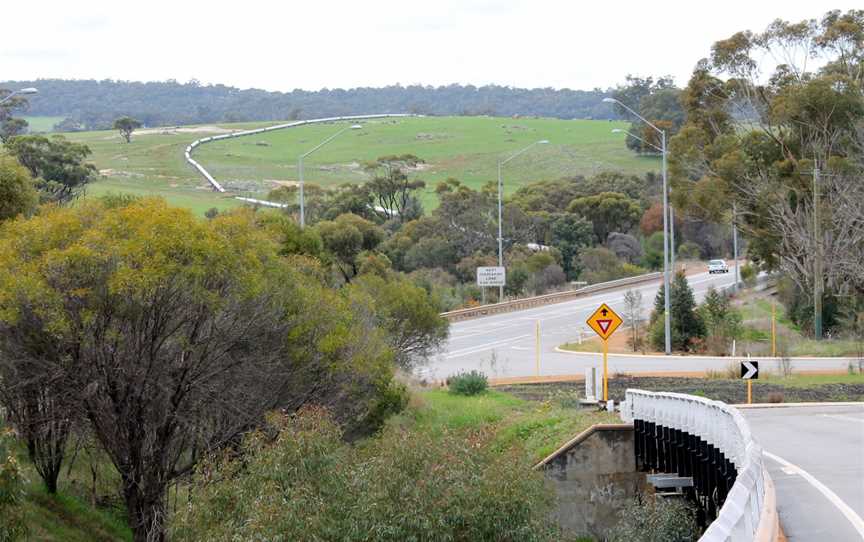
(717, 266)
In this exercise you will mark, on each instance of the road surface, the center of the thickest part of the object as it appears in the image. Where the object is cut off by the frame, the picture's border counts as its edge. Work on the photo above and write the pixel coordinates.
(815, 455)
(503, 345)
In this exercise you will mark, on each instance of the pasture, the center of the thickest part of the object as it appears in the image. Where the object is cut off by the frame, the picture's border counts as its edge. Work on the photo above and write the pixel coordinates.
(465, 148)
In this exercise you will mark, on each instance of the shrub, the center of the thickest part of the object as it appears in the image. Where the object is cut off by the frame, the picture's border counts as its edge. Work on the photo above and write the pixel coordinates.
(12, 526)
(689, 251)
(748, 274)
(471, 383)
(656, 520)
(405, 484)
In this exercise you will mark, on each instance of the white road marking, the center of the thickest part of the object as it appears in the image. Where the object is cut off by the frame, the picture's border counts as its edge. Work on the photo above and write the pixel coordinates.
(789, 468)
(844, 418)
(481, 347)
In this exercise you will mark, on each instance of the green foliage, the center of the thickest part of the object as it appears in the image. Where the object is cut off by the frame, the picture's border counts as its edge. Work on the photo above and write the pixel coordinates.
(653, 258)
(689, 251)
(17, 193)
(402, 485)
(722, 321)
(57, 164)
(570, 234)
(470, 383)
(601, 265)
(345, 238)
(687, 327)
(749, 273)
(407, 314)
(13, 526)
(609, 212)
(126, 125)
(656, 520)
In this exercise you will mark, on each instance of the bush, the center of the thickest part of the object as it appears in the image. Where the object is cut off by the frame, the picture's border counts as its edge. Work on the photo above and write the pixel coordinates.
(656, 520)
(748, 274)
(12, 526)
(405, 484)
(689, 251)
(472, 383)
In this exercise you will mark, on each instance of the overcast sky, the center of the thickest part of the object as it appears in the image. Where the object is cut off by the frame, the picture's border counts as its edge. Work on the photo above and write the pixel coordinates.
(282, 45)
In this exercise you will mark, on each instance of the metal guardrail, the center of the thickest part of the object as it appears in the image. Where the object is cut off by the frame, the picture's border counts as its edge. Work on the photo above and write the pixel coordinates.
(724, 429)
(218, 186)
(547, 299)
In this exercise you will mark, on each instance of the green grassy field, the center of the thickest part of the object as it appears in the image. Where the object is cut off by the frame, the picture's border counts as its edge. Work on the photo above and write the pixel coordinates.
(541, 427)
(466, 148)
(42, 124)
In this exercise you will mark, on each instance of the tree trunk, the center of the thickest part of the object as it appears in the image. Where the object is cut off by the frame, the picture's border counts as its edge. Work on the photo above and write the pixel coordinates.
(147, 514)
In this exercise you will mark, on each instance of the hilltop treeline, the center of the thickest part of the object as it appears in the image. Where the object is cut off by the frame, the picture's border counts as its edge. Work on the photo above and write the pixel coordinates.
(95, 104)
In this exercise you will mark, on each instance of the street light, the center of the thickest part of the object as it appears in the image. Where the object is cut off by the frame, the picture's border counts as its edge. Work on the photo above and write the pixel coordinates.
(300, 168)
(666, 316)
(500, 195)
(671, 209)
(28, 90)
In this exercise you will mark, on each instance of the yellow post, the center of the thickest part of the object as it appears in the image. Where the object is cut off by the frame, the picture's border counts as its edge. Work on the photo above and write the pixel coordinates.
(605, 370)
(749, 392)
(773, 329)
(537, 352)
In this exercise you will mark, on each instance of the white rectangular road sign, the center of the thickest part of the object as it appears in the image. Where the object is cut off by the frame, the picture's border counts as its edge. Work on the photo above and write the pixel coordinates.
(490, 276)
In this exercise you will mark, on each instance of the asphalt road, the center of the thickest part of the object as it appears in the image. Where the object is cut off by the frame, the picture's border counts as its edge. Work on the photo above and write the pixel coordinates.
(815, 456)
(504, 345)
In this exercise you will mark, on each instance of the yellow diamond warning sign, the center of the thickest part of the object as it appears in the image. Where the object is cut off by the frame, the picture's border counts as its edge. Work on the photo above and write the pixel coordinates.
(604, 321)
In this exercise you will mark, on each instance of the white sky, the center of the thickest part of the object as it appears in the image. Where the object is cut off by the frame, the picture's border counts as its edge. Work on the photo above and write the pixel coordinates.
(282, 45)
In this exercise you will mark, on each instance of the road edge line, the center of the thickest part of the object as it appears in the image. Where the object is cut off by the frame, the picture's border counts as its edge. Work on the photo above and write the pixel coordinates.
(854, 519)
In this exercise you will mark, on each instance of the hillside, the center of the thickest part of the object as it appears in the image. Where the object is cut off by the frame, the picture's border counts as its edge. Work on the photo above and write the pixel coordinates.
(466, 148)
(95, 104)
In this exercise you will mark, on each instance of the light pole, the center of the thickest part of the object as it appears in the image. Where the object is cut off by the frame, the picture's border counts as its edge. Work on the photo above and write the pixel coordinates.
(28, 90)
(300, 168)
(666, 315)
(671, 209)
(500, 196)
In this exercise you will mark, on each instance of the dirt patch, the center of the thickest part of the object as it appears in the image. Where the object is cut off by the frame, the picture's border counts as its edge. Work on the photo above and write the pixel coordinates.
(729, 391)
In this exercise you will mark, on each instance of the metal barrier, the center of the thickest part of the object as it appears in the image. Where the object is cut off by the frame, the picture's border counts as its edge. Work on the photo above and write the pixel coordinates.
(710, 442)
(219, 188)
(537, 301)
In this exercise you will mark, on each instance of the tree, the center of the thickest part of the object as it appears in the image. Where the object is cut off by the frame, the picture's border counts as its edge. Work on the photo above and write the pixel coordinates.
(57, 165)
(345, 238)
(570, 234)
(126, 125)
(17, 194)
(410, 318)
(796, 155)
(687, 327)
(608, 211)
(391, 189)
(722, 321)
(625, 247)
(633, 316)
(10, 128)
(172, 335)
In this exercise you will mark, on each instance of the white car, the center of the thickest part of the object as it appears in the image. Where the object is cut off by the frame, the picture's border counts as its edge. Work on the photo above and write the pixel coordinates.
(717, 266)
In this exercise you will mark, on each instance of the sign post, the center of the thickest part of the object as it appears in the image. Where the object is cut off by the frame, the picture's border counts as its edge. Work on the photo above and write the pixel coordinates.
(604, 322)
(750, 372)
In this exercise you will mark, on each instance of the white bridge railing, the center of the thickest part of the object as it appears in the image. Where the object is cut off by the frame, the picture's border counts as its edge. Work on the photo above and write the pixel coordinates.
(741, 518)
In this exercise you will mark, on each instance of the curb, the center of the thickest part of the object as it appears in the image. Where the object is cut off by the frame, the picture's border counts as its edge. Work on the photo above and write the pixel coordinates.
(796, 405)
(560, 350)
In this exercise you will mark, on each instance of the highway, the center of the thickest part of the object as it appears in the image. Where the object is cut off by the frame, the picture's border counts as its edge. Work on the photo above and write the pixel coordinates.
(503, 345)
(815, 455)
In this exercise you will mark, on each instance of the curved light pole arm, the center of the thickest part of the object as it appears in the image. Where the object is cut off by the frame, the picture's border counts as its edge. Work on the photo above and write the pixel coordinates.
(300, 171)
(634, 136)
(637, 115)
(500, 198)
